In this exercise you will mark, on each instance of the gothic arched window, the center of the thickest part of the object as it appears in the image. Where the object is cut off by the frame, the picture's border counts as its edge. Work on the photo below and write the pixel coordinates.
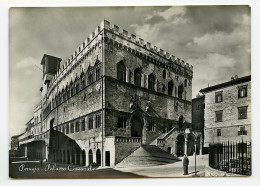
(180, 91)
(137, 77)
(170, 88)
(164, 74)
(151, 81)
(121, 71)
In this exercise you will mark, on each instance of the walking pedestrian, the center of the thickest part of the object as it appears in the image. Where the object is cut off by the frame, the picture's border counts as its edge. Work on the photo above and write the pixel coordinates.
(185, 164)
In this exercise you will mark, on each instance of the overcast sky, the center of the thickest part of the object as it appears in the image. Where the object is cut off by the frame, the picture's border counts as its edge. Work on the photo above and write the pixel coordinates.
(214, 39)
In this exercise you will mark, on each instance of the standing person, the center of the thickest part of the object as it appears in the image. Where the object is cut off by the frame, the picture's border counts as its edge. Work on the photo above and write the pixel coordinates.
(185, 164)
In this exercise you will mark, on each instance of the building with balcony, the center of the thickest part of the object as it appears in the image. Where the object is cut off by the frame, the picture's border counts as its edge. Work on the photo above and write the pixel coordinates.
(115, 94)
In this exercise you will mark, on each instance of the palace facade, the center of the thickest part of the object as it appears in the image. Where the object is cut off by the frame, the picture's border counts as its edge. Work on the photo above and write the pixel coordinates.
(113, 95)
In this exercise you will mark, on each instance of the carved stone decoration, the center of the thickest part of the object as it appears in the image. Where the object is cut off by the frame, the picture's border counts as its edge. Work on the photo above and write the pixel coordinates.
(148, 105)
(134, 101)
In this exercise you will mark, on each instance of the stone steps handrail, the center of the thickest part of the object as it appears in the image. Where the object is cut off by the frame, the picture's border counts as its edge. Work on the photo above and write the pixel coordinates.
(128, 139)
(169, 134)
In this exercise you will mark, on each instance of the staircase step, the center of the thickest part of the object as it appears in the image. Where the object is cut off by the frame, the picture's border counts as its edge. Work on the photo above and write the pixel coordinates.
(148, 155)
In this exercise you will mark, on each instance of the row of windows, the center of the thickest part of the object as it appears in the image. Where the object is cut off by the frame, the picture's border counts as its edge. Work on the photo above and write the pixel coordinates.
(73, 88)
(242, 92)
(80, 125)
(121, 75)
(242, 114)
(38, 119)
(169, 75)
(242, 131)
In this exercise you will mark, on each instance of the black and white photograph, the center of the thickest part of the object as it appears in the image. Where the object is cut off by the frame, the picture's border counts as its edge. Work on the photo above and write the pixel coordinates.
(130, 92)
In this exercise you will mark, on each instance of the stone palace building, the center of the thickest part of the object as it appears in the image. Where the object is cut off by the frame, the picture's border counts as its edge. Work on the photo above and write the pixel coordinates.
(113, 96)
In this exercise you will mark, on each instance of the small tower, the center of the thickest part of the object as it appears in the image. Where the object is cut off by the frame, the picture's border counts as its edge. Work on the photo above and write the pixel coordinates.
(50, 65)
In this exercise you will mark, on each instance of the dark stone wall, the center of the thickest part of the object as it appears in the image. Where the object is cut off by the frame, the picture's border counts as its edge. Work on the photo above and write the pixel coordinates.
(198, 107)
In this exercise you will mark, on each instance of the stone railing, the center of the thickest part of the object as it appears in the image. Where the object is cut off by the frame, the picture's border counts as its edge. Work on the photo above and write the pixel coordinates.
(119, 139)
(181, 131)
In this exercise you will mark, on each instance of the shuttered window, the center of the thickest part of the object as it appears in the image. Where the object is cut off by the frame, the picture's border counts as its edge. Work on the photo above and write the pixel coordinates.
(219, 116)
(242, 112)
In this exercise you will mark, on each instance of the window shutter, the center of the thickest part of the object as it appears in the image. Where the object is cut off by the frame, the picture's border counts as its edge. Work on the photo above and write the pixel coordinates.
(245, 132)
(238, 133)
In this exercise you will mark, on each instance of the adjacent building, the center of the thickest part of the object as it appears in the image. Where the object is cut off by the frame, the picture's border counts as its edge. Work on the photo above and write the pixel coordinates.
(114, 94)
(228, 111)
(198, 109)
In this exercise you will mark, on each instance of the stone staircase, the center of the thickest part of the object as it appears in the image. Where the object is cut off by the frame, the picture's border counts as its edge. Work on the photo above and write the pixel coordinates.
(146, 156)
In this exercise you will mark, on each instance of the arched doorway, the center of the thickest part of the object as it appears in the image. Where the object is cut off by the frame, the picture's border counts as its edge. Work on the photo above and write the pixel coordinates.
(64, 156)
(60, 156)
(54, 156)
(136, 126)
(83, 157)
(68, 156)
(98, 154)
(73, 157)
(51, 123)
(180, 122)
(190, 144)
(78, 157)
(90, 157)
(180, 142)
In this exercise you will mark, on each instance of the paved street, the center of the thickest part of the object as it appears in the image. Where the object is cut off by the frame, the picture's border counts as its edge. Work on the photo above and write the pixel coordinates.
(35, 170)
(171, 170)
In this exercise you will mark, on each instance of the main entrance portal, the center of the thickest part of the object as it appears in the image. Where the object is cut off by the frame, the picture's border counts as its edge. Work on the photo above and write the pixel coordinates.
(180, 145)
(136, 126)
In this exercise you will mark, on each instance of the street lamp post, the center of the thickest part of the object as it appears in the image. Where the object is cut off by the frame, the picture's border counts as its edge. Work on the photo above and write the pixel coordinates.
(187, 131)
(195, 160)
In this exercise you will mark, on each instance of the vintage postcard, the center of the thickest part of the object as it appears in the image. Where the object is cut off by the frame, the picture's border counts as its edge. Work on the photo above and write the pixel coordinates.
(129, 92)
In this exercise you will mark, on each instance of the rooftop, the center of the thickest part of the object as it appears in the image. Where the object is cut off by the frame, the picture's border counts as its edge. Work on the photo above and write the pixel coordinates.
(226, 84)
